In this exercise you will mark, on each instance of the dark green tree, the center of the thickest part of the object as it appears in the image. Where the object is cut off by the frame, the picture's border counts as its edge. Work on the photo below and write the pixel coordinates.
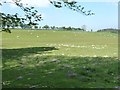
(36, 27)
(53, 27)
(31, 16)
(63, 28)
(46, 27)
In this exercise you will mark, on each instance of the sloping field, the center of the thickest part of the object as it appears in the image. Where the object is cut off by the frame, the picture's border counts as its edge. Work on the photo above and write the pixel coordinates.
(68, 43)
(59, 59)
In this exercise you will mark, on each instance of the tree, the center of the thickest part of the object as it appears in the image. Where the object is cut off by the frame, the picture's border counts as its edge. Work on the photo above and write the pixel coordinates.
(63, 28)
(40, 27)
(79, 29)
(36, 27)
(46, 27)
(52, 27)
(31, 16)
(91, 30)
(25, 26)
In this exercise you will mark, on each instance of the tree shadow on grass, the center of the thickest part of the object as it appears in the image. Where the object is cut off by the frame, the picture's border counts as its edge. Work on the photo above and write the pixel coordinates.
(18, 53)
(56, 71)
(62, 72)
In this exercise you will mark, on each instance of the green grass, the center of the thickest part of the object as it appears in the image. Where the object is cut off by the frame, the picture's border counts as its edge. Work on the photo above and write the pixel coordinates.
(69, 43)
(59, 59)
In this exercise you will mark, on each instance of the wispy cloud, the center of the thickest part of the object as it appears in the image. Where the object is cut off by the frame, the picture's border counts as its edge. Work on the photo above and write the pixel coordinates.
(46, 3)
(35, 3)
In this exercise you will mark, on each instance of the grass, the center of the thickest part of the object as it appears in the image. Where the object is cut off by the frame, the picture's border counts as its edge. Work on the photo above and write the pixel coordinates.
(59, 59)
(69, 43)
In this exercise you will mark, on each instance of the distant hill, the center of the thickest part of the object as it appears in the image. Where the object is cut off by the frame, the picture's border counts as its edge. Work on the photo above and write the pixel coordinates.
(109, 30)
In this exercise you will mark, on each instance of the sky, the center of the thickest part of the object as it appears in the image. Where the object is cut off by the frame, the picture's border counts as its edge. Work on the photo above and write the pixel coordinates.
(106, 13)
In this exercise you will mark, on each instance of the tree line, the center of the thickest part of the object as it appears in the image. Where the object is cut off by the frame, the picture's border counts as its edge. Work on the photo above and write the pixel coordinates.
(112, 30)
(47, 27)
(69, 28)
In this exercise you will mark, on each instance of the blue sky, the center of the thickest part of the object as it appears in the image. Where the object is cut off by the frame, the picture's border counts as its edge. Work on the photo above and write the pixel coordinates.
(106, 15)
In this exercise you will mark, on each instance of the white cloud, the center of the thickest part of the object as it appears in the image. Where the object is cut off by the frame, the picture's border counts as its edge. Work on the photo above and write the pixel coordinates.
(35, 3)
(46, 3)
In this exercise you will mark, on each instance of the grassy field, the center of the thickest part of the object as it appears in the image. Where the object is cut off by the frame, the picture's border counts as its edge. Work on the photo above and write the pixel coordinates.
(59, 59)
(68, 43)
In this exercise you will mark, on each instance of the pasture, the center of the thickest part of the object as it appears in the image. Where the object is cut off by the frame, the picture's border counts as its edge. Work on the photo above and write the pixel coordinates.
(59, 59)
